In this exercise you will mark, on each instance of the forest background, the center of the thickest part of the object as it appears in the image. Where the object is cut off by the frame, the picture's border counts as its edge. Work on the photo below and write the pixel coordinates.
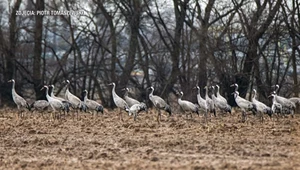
(168, 44)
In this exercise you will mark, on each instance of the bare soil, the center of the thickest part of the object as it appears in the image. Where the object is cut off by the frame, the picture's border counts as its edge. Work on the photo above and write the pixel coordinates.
(105, 142)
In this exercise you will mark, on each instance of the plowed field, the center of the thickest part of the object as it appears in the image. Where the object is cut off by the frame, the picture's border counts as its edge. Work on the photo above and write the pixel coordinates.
(105, 142)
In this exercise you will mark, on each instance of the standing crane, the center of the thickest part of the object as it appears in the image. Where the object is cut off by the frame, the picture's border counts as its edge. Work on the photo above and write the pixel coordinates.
(288, 107)
(261, 107)
(187, 106)
(136, 108)
(91, 104)
(276, 107)
(242, 103)
(202, 103)
(130, 101)
(64, 101)
(209, 102)
(219, 96)
(119, 102)
(75, 102)
(19, 101)
(54, 103)
(39, 105)
(220, 102)
(159, 104)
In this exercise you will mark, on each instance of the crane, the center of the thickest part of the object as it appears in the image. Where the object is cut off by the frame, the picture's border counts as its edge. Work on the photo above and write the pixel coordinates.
(91, 104)
(261, 107)
(159, 104)
(220, 102)
(219, 96)
(130, 101)
(75, 102)
(39, 105)
(276, 107)
(136, 108)
(242, 103)
(287, 105)
(202, 103)
(209, 102)
(187, 106)
(18, 100)
(54, 103)
(119, 102)
(64, 101)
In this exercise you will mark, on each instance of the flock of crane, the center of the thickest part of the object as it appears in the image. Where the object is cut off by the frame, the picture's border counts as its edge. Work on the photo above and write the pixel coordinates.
(209, 104)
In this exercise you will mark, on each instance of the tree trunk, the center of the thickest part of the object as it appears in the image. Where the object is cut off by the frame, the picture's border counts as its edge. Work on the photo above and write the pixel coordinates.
(38, 35)
(134, 21)
(9, 52)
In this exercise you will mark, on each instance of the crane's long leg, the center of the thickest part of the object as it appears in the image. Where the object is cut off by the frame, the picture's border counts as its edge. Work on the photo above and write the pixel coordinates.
(135, 116)
(120, 114)
(158, 116)
(244, 116)
(205, 116)
(293, 111)
(262, 117)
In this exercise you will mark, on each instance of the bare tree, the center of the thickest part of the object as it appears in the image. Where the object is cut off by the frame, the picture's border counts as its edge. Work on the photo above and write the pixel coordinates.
(38, 36)
(254, 25)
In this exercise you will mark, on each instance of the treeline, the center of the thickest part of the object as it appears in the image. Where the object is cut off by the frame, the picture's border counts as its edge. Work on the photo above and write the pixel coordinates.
(138, 43)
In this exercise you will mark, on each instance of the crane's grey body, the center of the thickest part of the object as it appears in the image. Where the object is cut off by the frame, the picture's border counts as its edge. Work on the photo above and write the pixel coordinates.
(219, 96)
(159, 104)
(119, 102)
(288, 107)
(261, 107)
(55, 104)
(18, 100)
(201, 100)
(295, 100)
(91, 104)
(66, 103)
(130, 101)
(209, 102)
(40, 105)
(187, 106)
(75, 102)
(276, 107)
(242, 103)
(220, 102)
(136, 108)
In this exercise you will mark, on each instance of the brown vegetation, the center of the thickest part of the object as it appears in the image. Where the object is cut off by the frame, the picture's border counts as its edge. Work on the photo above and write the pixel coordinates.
(104, 142)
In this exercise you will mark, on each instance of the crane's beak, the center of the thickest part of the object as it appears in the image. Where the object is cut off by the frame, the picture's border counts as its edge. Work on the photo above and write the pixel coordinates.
(232, 85)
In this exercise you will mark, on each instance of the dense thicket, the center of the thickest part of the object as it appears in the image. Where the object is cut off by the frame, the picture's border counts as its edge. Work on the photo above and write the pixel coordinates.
(138, 43)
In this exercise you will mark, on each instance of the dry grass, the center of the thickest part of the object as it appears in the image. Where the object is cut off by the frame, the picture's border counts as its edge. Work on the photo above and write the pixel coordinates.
(104, 142)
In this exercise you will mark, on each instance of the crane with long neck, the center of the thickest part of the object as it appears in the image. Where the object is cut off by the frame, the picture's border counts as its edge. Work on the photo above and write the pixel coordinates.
(119, 102)
(18, 100)
(159, 104)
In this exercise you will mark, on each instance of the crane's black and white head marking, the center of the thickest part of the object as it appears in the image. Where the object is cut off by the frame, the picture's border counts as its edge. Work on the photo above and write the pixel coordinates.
(181, 93)
(44, 87)
(12, 80)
